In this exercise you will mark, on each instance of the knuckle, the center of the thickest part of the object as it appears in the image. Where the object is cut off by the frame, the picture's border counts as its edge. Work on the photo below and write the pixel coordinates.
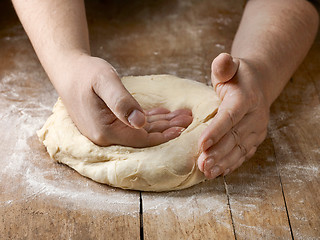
(215, 139)
(122, 105)
(99, 81)
(235, 134)
(232, 116)
(210, 136)
(99, 138)
(148, 127)
(243, 149)
(214, 154)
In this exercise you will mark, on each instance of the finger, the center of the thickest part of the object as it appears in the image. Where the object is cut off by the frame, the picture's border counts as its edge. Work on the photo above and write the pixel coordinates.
(251, 152)
(248, 125)
(231, 160)
(223, 68)
(237, 165)
(160, 126)
(172, 133)
(157, 138)
(216, 152)
(181, 121)
(249, 155)
(110, 89)
(121, 134)
(155, 111)
(228, 115)
(169, 116)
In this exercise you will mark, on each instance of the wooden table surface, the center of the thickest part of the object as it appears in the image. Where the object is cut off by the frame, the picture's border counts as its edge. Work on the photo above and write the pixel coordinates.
(275, 195)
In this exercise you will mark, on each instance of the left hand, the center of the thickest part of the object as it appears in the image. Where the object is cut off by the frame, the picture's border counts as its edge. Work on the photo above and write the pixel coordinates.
(240, 124)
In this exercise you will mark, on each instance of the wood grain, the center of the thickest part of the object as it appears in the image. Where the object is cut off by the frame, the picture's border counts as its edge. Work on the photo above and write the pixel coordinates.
(173, 37)
(256, 201)
(40, 199)
(38, 219)
(202, 211)
(275, 195)
(196, 213)
(295, 132)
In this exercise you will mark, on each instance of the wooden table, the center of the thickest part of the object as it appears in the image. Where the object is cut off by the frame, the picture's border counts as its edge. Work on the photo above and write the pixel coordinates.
(275, 195)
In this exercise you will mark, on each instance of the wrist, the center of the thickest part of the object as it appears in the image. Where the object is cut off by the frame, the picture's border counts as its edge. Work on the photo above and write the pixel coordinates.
(261, 73)
(60, 67)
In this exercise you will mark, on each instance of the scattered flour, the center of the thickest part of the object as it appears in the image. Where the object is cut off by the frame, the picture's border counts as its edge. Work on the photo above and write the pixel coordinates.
(27, 98)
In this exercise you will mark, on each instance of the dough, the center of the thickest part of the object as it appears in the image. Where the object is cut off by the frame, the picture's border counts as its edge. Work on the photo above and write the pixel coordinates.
(169, 166)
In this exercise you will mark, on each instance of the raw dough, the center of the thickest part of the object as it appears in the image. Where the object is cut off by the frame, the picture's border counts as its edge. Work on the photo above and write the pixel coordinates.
(169, 166)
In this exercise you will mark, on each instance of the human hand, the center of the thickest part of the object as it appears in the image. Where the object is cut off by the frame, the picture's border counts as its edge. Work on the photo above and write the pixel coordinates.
(240, 124)
(106, 113)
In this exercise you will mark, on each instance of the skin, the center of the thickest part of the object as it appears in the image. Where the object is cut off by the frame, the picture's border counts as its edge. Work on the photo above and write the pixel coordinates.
(90, 88)
(272, 40)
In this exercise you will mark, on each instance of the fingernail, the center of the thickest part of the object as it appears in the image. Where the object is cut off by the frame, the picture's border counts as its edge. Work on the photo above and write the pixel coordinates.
(215, 172)
(137, 119)
(201, 159)
(207, 144)
(226, 172)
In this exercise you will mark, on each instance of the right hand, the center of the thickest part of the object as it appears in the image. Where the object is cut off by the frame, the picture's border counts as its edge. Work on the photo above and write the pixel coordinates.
(241, 122)
(106, 113)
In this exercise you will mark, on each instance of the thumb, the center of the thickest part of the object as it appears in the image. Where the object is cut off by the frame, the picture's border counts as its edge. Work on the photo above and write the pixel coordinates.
(110, 89)
(223, 68)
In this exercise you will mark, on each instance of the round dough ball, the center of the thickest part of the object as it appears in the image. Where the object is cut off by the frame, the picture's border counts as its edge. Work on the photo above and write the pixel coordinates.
(169, 166)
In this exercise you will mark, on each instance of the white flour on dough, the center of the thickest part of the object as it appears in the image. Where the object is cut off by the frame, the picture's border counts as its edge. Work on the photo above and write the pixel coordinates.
(169, 166)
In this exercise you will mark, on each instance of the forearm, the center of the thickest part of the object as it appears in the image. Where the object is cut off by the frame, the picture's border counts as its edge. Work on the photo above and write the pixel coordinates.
(275, 36)
(57, 30)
